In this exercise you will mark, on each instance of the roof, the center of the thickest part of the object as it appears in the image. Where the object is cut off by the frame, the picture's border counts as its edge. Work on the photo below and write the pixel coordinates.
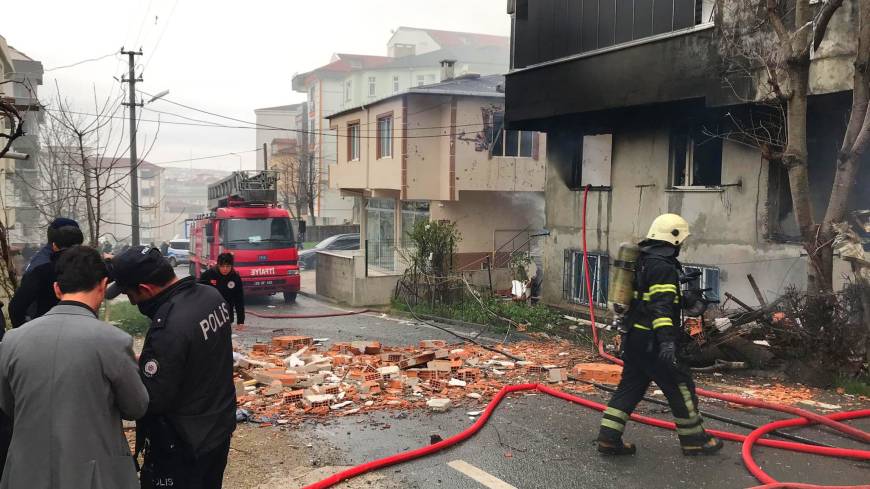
(455, 38)
(281, 108)
(343, 63)
(463, 86)
(16, 54)
(461, 54)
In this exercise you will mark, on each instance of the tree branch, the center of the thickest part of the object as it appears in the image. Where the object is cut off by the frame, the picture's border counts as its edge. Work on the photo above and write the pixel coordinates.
(824, 18)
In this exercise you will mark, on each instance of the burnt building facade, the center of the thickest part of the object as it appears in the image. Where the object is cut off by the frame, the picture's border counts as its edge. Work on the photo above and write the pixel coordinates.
(639, 103)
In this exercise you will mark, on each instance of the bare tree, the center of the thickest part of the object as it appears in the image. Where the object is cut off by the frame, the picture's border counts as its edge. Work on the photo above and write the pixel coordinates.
(310, 182)
(11, 128)
(91, 155)
(769, 45)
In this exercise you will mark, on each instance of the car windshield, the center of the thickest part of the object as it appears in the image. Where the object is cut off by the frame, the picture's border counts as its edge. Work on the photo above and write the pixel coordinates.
(258, 234)
(179, 245)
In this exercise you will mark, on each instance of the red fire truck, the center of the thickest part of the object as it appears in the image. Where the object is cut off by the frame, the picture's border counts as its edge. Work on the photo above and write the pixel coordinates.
(245, 220)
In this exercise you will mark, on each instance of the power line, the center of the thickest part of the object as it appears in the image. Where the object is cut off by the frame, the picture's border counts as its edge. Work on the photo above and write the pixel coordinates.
(160, 37)
(89, 60)
(207, 157)
(271, 128)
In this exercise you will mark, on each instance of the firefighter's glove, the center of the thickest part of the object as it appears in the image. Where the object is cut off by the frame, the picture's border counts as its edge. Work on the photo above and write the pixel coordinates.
(668, 353)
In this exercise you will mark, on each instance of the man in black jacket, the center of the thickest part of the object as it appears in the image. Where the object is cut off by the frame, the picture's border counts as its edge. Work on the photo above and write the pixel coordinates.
(35, 295)
(187, 367)
(228, 282)
(651, 346)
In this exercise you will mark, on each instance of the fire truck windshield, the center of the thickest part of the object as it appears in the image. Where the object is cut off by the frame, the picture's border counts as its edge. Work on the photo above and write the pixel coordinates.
(258, 234)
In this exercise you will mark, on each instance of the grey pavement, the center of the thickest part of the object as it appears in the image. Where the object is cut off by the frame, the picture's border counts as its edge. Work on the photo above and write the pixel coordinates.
(532, 441)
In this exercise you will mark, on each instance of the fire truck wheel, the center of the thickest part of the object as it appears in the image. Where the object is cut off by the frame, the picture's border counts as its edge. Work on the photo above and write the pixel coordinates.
(289, 297)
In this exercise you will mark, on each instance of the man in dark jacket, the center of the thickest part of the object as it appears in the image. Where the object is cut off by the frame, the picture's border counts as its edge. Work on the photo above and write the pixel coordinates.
(228, 282)
(37, 284)
(187, 367)
(651, 346)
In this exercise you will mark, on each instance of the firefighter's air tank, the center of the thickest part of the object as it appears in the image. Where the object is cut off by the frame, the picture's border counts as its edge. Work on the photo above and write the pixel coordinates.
(622, 278)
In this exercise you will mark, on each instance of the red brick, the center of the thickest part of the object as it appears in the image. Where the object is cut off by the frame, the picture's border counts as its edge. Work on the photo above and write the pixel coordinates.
(429, 344)
(604, 373)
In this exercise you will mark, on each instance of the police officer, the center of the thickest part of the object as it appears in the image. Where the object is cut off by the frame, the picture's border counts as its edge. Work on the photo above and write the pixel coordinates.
(227, 280)
(650, 351)
(187, 367)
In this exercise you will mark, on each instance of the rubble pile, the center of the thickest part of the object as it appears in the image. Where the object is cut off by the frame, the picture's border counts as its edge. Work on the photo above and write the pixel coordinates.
(297, 377)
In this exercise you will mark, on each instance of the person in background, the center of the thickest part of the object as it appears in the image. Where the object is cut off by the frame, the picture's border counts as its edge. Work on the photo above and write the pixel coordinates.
(107, 247)
(66, 380)
(164, 248)
(37, 284)
(187, 367)
(227, 280)
(43, 255)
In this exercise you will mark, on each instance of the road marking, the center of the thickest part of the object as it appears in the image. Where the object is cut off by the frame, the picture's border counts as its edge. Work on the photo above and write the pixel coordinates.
(488, 480)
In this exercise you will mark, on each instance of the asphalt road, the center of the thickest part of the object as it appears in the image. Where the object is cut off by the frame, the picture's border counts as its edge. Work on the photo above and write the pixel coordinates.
(532, 441)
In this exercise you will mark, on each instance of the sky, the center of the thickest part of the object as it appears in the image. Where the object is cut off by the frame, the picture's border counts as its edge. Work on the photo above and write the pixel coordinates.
(226, 57)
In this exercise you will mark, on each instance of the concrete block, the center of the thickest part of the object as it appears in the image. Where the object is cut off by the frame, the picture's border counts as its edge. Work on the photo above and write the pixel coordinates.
(438, 405)
(557, 375)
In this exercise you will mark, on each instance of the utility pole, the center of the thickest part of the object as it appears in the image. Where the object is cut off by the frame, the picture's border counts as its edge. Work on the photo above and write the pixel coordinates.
(134, 160)
(265, 158)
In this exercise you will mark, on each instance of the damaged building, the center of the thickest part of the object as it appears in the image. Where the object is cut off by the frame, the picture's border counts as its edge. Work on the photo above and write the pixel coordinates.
(636, 104)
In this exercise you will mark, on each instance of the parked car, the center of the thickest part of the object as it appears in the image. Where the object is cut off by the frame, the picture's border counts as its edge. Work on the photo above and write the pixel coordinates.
(178, 252)
(308, 258)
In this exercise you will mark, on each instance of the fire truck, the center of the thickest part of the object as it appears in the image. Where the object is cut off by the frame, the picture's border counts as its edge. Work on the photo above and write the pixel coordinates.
(245, 220)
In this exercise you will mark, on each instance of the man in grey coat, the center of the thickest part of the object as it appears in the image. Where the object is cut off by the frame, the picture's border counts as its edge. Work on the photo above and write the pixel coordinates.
(66, 380)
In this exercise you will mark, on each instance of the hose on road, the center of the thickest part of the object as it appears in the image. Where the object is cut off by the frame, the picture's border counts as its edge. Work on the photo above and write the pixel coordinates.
(749, 441)
(308, 316)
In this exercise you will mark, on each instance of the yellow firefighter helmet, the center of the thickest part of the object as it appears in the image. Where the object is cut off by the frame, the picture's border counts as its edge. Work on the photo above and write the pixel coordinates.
(670, 228)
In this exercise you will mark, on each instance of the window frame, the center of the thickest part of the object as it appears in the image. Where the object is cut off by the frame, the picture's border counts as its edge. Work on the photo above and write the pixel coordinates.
(708, 272)
(574, 281)
(421, 80)
(348, 90)
(354, 141)
(395, 83)
(373, 86)
(381, 139)
(683, 144)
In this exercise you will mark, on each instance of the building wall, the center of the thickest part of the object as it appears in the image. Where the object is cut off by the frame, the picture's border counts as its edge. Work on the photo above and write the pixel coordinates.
(273, 118)
(427, 160)
(331, 206)
(479, 215)
(420, 39)
(726, 225)
(477, 170)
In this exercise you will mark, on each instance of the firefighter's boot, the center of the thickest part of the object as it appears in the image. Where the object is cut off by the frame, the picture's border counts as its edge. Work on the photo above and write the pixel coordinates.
(616, 447)
(707, 446)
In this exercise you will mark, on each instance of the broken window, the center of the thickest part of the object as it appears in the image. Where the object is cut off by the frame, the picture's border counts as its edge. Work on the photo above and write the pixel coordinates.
(595, 168)
(696, 156)
(574, 285)
(709, 279)
(509, 143)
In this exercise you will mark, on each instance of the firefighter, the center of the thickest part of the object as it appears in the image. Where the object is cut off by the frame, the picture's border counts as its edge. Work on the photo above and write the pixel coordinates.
(650, 353)
(187, 366)
(227, 280)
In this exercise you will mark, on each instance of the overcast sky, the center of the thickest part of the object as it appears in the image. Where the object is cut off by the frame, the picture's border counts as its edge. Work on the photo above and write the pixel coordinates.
(228, 57)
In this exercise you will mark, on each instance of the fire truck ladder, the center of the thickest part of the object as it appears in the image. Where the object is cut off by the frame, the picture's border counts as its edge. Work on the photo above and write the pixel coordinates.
(252, 187)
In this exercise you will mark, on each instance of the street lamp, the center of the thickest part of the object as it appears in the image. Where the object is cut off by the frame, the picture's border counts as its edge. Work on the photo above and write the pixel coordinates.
(240, 160)
(158, 96)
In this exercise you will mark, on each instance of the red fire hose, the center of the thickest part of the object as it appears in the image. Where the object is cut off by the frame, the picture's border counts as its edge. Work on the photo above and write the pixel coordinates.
(748, 441)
